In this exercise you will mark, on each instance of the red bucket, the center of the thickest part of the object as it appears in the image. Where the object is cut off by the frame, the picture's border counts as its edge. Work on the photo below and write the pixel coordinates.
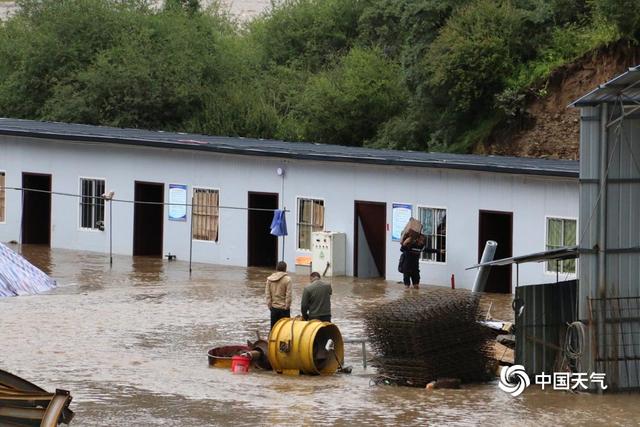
(240, 364)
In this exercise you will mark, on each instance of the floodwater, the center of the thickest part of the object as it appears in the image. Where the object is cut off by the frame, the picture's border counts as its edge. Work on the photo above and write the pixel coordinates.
(130, 343)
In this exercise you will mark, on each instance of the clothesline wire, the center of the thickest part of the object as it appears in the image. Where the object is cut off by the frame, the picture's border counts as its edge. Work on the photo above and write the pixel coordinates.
(197, 205)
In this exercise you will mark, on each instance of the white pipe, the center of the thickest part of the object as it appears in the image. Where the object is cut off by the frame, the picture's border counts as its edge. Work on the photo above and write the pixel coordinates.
(483, 272)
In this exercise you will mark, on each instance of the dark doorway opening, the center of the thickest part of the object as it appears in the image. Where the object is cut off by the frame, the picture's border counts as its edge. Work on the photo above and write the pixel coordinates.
(497, 226)
(262, 245)
(36, 209)
(148, 219)
(370, 231)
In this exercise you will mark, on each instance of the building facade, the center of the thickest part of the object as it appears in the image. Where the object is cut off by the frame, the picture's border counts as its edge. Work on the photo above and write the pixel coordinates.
(527, 205)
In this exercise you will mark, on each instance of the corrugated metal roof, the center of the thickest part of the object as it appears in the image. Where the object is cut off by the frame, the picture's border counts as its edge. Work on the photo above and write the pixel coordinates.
(282, 149)
(569, 252)
(625, 88)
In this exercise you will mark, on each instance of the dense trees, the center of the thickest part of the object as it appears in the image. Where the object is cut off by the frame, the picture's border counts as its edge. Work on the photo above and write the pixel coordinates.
(408, 74)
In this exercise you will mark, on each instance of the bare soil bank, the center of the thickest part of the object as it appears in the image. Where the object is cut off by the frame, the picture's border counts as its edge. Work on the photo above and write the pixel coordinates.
(552, 129)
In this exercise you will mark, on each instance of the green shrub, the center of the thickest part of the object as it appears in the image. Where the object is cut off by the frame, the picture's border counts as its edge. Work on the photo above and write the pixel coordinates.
(307, 34)
(347, 104)
(624, 14)
(405, 74)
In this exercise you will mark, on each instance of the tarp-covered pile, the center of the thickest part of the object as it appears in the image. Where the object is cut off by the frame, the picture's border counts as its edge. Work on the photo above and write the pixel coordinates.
(19, 277)
(426, 337)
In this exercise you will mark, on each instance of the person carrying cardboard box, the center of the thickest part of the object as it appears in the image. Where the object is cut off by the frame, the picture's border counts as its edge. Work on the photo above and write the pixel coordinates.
(413, 244)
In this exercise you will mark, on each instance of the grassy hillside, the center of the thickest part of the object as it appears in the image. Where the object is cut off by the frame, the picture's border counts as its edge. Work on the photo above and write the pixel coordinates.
(445, 75)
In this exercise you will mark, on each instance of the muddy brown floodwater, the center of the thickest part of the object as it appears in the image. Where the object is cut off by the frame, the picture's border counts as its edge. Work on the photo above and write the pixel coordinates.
(130, 343)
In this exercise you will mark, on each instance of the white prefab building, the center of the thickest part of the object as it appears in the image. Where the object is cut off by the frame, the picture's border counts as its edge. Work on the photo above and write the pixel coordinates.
(53, 175)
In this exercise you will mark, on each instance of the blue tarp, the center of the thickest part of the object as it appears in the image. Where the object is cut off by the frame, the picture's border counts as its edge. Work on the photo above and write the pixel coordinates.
(19, 277)
(279, 223)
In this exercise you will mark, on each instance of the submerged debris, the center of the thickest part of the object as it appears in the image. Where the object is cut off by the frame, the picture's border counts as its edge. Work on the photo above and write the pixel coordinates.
(25, 404)
(444, 383)
(420, 339)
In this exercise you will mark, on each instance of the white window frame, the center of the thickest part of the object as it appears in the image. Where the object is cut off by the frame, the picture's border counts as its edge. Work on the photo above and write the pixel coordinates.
(4, 221)
(80, 227)
(546, 231)
(193, 193)
(324, 224)
(428, 261)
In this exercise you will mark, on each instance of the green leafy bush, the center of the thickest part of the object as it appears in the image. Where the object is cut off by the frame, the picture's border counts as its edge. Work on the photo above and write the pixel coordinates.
(347, 104)
(405, 74)
(624, 14)
(307, 34)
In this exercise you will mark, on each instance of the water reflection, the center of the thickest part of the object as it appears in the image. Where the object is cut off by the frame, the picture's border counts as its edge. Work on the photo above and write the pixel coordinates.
(131, 341)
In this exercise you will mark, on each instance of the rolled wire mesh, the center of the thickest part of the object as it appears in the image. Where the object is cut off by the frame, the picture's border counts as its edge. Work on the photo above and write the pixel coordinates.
(422, 338)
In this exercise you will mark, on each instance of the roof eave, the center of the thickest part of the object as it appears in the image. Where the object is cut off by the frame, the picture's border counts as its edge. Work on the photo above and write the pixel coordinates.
(281, 154)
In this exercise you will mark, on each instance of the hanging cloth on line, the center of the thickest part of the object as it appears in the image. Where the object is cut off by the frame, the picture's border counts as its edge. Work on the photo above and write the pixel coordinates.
(279, 223)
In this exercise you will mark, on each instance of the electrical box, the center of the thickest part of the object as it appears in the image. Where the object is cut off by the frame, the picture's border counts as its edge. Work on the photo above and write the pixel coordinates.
(328, 253)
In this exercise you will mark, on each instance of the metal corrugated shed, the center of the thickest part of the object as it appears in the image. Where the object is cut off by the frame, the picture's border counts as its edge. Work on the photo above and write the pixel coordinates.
(609, 224)
(624, 88)
(282, 149)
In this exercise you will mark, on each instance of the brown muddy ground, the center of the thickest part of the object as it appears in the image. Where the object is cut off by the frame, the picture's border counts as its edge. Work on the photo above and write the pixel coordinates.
(130, 343)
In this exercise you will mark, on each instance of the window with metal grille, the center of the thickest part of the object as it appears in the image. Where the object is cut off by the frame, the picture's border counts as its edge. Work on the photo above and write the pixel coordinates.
(205, 214)
(2, 197)
(310, 219)
(434, 221)
(561, 232)
(91, 203)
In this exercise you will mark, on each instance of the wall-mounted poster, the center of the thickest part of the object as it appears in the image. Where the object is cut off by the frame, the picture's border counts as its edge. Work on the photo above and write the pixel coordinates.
(401, 213)
(177, 202)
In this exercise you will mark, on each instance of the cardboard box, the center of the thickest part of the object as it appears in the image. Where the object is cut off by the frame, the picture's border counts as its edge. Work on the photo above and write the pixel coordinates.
(413, 228)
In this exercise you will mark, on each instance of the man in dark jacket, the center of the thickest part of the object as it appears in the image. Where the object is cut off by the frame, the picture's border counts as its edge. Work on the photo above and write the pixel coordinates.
(410, 266)
(316, 299)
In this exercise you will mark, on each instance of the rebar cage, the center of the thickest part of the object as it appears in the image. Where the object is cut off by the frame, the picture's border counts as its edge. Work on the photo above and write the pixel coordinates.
(434, 335)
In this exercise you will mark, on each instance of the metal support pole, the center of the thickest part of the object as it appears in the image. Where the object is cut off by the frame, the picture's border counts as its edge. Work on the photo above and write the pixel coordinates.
(191, 238)
(283, 209)
(364, 355)
(602, 220)
(20, 236)
(283, 237)
(602, 233)
(110, 233)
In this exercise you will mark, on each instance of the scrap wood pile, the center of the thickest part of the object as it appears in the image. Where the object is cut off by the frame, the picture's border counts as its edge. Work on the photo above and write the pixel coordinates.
(435, 335)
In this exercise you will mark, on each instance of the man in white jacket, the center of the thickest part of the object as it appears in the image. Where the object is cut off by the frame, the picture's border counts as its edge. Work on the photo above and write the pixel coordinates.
(278, 293)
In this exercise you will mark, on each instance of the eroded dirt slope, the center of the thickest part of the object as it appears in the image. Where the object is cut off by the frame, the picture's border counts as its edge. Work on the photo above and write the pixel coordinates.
(552, 129)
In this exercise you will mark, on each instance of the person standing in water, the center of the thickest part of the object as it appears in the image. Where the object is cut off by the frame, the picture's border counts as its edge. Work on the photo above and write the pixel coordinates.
(411, 249)
(278, 293)
(316, 299)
